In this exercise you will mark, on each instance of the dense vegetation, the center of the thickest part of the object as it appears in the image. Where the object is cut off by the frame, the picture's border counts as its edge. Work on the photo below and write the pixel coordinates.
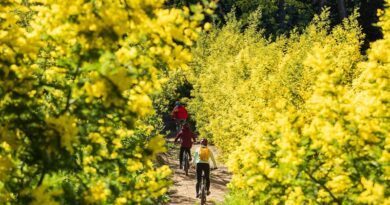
(302, 119)
(76, 77)
(285, 88)
(281, 16)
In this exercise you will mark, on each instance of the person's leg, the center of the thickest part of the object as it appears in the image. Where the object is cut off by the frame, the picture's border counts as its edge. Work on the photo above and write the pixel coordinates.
(178, 125)
(198, 178)
(188, 150)
(181, 156)
(207, 174)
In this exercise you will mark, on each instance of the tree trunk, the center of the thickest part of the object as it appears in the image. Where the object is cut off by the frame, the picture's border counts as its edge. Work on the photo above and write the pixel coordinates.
(341, 8)
(322, 3)
(282, 15)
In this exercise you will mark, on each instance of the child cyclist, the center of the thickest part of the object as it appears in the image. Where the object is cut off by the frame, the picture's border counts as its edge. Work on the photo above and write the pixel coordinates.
(187, 138)
(201, 161)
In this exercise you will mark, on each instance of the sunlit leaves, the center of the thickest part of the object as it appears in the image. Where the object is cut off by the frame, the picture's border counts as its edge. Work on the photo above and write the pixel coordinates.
(75, 81)
(301, 120)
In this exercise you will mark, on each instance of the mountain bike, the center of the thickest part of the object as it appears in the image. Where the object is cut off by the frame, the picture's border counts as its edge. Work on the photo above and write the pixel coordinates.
(203, 188)
(186, 162)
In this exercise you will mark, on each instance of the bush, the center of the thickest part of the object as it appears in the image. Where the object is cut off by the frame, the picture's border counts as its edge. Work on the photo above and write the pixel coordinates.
(74, 98)
(300, 120)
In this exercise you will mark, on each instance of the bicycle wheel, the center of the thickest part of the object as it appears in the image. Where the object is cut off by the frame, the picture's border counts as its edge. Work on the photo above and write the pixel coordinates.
(203, 195)
(186, 163)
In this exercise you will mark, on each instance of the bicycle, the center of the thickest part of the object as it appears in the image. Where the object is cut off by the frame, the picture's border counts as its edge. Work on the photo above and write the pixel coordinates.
(186, 163)
(203, 188)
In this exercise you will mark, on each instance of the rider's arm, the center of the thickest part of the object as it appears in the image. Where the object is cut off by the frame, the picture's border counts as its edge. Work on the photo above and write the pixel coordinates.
(213, 159)
(178, 136)
(196, 156)
(174, 111)
(193, 137)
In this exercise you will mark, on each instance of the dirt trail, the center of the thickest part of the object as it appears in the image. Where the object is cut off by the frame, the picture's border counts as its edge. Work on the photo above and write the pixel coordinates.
(183, 190)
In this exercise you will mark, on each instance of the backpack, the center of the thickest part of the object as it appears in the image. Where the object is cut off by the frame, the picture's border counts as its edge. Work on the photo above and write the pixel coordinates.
(204, 153)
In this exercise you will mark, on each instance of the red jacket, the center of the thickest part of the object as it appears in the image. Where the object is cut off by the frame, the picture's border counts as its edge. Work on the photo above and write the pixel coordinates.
(180, 112)
(185, 135)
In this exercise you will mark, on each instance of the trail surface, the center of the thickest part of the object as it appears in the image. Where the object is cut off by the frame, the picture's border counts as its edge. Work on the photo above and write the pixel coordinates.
(183, 190)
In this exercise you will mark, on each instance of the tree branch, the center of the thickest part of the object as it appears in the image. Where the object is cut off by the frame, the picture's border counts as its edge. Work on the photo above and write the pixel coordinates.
(324, 187)
(69, 95)
(42, 175)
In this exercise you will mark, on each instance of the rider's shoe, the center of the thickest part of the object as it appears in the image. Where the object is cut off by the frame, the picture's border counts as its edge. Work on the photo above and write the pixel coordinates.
(197, 195)
(208, 193)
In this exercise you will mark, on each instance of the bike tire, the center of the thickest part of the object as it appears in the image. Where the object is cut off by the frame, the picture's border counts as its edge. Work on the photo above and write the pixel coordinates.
(186, 164)
(203, 195)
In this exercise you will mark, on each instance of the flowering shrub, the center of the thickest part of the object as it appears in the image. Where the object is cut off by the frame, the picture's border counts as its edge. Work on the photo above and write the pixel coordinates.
(74, 92)
(302, 120)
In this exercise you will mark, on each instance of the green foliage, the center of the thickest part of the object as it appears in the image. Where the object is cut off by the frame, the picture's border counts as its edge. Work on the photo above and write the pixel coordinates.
(75, 85)
(174, 86)
(236, 198)
(282, 16)
(237, 75)
(278, 17)
(301, 120)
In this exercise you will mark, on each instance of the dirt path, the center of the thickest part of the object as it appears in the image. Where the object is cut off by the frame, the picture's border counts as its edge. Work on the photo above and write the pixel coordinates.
(183, 190)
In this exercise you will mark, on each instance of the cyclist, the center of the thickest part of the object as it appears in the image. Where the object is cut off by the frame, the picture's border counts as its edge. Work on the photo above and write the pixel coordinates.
(179, 114)
(187, 138)
(201, 161)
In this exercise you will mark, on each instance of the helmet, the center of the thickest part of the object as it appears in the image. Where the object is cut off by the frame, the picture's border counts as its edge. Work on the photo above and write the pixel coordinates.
(203, 142)
(185, 126)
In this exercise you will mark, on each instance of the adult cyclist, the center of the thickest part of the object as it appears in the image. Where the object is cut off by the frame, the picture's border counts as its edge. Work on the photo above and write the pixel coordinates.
(179, 114)
(187, 138)
(201, 160)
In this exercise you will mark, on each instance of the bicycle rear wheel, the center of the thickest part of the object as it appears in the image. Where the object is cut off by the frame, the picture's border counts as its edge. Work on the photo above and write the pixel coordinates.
(186, 163)
(203, 193)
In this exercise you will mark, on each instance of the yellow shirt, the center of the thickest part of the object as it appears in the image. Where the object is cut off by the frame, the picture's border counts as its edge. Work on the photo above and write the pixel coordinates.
(198, 160)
